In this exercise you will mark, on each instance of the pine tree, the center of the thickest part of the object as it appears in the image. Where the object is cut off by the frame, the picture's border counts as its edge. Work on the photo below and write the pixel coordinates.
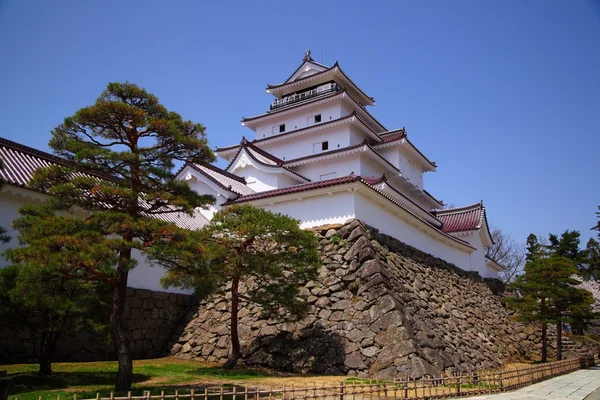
(52, 302)
(260, 258)
(546, 293)
(534, 249)
(120, 156)
(592, 258)
(567, 245)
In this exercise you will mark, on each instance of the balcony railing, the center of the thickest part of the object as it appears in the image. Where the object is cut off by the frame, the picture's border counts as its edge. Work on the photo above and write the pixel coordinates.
(327, 88)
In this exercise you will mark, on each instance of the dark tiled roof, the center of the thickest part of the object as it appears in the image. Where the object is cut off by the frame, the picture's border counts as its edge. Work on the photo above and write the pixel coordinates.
(20, 163)
(222, 178)
(294, 105)
(335, 66)
(263, 158)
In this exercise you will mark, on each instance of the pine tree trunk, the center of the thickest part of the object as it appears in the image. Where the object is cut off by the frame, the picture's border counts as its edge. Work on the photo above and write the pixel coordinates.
(544, 343)
(559, 341)
(236, 352)
(45, 354)
(117, 330)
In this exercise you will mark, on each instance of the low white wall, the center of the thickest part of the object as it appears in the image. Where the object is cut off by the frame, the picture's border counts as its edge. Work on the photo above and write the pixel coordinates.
(318, 210)
(144, 276)
(388, 222)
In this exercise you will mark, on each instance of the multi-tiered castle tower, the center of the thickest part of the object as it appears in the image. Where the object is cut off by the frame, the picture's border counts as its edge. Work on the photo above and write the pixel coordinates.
(319, 156)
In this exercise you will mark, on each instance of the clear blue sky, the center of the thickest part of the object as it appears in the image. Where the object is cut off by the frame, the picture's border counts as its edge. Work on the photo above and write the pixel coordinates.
(504, 95)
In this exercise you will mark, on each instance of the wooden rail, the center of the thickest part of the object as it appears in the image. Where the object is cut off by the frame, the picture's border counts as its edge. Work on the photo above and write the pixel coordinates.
(443, 387)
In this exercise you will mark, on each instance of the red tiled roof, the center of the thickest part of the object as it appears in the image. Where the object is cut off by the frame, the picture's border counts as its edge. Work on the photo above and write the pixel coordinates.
(335, 182)
(296, 188)
(468, 218)
(393, 135)
(20, 163)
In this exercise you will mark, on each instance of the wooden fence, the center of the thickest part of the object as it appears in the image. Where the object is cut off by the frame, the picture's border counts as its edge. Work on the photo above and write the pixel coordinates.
(444, 387)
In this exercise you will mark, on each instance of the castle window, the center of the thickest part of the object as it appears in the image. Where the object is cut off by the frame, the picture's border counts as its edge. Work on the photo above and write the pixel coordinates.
(313, 119)
(281, 128)
(321, 146)
(330, 175)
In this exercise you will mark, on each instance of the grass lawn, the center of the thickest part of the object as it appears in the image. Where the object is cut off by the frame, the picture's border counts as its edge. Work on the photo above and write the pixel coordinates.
(86, 379)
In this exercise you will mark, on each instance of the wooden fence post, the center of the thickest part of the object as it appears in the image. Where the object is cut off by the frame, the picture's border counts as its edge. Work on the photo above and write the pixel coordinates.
(341, 390)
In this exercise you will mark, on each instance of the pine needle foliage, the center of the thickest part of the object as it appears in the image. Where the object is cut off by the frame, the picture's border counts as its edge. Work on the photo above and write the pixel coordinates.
(258, 257)
(119, 179)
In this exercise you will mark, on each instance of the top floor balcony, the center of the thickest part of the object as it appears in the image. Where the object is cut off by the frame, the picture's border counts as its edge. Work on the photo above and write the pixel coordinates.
(296, 97)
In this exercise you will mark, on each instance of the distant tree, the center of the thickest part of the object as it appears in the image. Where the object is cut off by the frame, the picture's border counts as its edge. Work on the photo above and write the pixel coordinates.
(258, 257)
(38, 295)
(508, 253)
(534, 249)
(567, 245)
(597, 226)
(546, 293)
(592, 259)
(121, 153)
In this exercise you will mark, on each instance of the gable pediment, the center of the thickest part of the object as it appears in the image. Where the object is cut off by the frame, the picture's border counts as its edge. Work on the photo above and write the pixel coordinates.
(307, 68)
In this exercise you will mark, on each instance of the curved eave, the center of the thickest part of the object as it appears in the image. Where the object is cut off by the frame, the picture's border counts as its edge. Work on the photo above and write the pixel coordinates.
(318, 188)
(425, 162)
(226, 191)
(363, 147)
(269, 167)
(228, 152)
(371, 121)
(332, 73)
(494, 264)
(436, 202)
(384, 182)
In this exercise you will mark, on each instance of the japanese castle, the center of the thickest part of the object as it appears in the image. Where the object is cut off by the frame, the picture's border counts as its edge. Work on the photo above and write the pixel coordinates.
(319, 156)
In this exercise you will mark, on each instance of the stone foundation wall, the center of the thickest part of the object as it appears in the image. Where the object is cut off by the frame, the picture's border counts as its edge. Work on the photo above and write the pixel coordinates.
(151, 318)
(379, 307)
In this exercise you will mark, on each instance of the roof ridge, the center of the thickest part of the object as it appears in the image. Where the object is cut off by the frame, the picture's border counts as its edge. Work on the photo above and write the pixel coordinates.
(30, 150)
(462, 209)
(247, 143)
(223, 172)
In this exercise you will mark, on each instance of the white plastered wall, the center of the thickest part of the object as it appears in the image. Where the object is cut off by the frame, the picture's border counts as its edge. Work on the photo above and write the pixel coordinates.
(316, 210)
(300, 119)
(387, 220)
(144, 276)
(341, 166)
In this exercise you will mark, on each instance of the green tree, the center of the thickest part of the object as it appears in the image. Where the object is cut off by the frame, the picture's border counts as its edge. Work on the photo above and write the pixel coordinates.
(121, 153)
(258, 257)
(546, 293)
(592, 258)
(52, 302)
(534, 248)
(567, 245)
(597, 226)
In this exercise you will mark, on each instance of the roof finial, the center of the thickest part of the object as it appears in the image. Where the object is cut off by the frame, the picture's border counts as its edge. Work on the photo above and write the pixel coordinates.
(307, 56)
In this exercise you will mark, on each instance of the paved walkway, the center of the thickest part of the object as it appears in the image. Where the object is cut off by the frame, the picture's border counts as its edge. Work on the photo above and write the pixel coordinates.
(574, 386)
